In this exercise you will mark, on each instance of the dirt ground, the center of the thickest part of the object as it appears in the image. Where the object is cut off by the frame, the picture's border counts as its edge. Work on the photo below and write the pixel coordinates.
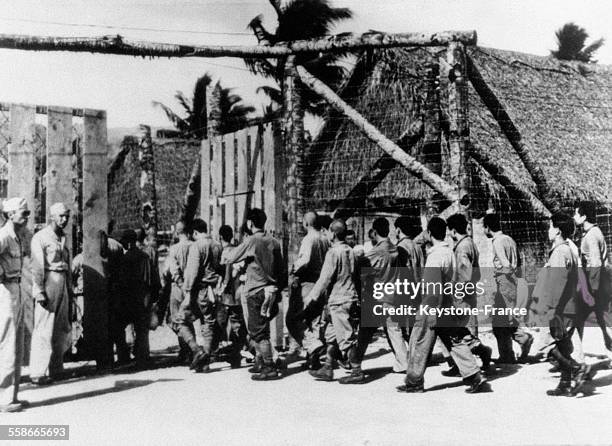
(171, 405)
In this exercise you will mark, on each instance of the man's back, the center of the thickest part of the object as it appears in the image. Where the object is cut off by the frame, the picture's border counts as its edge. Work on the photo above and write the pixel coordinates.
(384, 257)
(203, 262)
(505, 254)
(264, 261)
(311, 256)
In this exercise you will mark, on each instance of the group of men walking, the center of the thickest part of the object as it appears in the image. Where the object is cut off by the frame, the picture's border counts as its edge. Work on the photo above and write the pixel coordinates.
(234, 292)
(51, 291)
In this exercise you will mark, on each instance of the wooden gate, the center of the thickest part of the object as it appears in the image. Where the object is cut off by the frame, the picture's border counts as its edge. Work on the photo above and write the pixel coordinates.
(65, 163)
(242, 170)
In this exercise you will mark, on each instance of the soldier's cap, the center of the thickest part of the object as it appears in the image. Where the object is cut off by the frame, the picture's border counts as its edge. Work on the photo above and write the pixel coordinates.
(15, 204)
(59, 209)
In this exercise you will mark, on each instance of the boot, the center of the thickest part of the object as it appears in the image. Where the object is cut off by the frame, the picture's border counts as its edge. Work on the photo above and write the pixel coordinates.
(268, 373)
(484, 352)
(525, 349)
(356, 377)
(325, 373)
(581, 375)
(478, 384)
(199, 359)
(563, 389)
(453, 371)
(12, 407)
(257, 365)
(411, 388)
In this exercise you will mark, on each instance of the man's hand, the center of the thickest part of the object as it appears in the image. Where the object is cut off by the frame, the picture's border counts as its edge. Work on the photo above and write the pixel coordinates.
(269, 298)
(42, 299)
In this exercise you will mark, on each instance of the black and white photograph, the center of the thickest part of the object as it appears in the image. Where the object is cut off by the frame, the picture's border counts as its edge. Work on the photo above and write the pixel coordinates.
(305, 222)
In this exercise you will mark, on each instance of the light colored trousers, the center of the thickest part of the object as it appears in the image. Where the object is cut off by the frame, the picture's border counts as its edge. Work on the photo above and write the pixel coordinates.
(51, 337)
(11, 341)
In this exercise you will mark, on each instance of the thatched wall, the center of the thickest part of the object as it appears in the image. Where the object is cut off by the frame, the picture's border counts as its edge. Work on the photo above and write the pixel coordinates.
(562, 111)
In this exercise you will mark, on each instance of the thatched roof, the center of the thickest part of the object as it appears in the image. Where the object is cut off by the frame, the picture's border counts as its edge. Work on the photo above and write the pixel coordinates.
(562, 110)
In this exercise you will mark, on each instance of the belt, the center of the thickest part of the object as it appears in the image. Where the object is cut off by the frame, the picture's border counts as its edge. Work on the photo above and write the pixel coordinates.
(11, 280)
(56, 270)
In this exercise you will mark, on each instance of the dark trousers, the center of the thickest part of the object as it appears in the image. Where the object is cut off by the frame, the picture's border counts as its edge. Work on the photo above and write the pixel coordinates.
(561, 329)
(421, 344)
(230, 316)
(306, 327)
(259, 325)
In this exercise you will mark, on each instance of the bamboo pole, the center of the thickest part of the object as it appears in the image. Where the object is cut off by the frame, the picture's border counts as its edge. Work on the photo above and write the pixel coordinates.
(511, 132)
(410, 163)
(121, 46)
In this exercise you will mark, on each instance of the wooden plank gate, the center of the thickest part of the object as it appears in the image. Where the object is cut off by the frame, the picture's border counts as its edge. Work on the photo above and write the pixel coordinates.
(66, 163)
(242, 170)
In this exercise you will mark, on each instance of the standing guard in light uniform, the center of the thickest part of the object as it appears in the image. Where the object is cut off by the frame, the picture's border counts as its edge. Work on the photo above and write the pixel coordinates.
(11, 303)
(51, 289)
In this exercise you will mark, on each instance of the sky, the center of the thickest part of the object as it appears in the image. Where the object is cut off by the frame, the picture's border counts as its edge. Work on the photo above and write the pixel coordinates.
(126, 86)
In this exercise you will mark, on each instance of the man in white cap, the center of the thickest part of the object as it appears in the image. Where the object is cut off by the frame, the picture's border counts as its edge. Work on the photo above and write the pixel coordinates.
(11, 302)
(51, 279)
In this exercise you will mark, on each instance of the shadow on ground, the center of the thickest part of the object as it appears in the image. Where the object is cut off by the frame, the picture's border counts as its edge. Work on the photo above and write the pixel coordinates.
(119, 386)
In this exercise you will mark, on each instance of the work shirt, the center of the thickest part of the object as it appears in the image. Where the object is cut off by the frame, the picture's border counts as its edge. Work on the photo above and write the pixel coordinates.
(555, 288)
(385, 259)
(11, 254)
(311, 257)
(505, 254)
(232, 290)
(466, 257)
(415, 260)
(594, 253)
(439, 269)
(340, 273)
(137, 281)
(49, 253)
(203, 264)
(177, 260)
(264, 262)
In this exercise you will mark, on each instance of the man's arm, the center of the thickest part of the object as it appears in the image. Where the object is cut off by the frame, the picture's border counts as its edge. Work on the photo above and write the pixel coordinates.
(174, 269)
(240, 252)
(463, 272)
(328, 271)
(500, 252)
(191, 269)
(593, 262)
(303, 255)
(38, 268)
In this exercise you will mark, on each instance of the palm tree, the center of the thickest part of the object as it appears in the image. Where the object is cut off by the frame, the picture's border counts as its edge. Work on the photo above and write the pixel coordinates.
(299, 20)
(232, 114)
(571, 44)
(229, 115)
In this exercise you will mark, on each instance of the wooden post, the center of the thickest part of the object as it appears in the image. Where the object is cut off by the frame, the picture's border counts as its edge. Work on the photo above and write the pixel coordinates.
(256, 166)
(242, 139)
(216, 184)
(294, 145)
(22, 167)
(95, 215)
(458, 116)
(146, 158)
(59, 163)
(230, 177)
(205, 151)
